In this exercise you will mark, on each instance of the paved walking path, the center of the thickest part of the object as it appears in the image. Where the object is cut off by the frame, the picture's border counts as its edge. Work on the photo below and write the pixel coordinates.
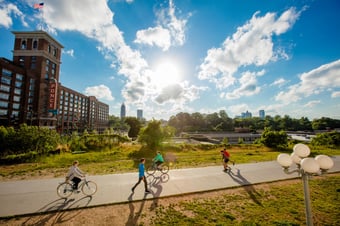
(35, 196)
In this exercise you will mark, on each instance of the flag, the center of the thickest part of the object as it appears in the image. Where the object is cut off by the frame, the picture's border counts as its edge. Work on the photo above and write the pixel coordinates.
(38, 5)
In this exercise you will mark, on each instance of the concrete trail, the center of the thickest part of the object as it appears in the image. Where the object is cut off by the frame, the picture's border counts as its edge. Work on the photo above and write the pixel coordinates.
(37, 196)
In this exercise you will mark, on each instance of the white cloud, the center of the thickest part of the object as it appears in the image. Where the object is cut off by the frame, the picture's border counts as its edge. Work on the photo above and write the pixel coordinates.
(64, 15)
(101, 92)
(69, 52)
(279, 82)
(312, 82)
(178, 94)
(248, 86)
(312, 103)
(169, 31)
(251, 45)
(237, 109)
(335, 94)
(5, 14)
(157, 36)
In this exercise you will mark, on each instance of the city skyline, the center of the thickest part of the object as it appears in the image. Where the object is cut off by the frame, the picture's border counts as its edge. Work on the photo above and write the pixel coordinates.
(167, 57)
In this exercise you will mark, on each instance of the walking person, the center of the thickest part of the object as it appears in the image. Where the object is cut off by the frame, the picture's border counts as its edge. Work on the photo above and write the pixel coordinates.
(225, 156)
(141, 169)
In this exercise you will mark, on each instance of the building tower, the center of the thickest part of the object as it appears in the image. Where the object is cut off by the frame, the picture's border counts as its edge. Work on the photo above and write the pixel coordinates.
(40, 55)
(30, 91)
(122, 111)
(261, 114)
(139, 114)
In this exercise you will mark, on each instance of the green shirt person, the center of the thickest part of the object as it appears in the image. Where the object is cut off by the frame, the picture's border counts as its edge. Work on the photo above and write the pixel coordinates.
(158, 159)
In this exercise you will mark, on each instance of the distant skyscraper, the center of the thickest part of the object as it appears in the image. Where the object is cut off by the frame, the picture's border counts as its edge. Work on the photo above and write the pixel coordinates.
(261, 114)
(246, 114)
(122, 111)
(139, 114)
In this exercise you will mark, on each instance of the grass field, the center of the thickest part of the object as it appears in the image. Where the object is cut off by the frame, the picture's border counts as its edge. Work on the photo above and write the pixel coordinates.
(125, 158)
(270, 204)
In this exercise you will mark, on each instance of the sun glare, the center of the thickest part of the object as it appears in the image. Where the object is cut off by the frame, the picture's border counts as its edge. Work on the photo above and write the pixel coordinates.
(166, 73)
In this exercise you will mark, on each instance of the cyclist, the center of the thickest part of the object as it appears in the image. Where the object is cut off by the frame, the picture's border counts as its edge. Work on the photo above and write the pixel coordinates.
(75, 174)
(225, 156)
(158, 160)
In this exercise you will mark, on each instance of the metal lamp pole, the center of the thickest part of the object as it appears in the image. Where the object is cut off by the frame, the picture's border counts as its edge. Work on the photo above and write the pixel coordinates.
(306, 167)
(309, 216)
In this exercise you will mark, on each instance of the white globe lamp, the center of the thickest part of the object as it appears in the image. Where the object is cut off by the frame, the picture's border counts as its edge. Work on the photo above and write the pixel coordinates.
(301, 150)
(324, 161)
(284, 160)
(310, 165)
(296, 159)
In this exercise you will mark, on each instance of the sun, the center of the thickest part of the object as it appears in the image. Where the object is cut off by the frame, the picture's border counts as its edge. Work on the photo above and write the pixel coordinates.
(166, 72)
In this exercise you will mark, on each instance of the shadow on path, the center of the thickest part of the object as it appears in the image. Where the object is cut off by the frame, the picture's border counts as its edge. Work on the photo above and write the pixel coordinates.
(134, 216)
(56, 209)
(241, 180)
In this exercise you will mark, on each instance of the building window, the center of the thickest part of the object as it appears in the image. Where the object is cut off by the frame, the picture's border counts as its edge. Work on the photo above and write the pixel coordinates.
(33, 62)
(3, 112)
(24, 44)
(16, 98)
(6, 72)
(19, 77)
(22, 61)
(4, 96)
(5, 88)
(4, 104)
(35, 44)
(18, 84)
(17, 91)
(5, 80)
(16, 106)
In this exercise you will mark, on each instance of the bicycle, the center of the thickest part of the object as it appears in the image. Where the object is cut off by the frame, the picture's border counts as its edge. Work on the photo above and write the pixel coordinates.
(65, 189)
(164, 168)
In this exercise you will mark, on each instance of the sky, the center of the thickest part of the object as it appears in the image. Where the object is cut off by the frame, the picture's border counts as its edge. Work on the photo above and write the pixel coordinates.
(167, 57)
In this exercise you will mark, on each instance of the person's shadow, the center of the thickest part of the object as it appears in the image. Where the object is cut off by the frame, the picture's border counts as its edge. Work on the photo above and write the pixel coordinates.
(157, 184)
(246, 185)
(56, 210)
(134, 216)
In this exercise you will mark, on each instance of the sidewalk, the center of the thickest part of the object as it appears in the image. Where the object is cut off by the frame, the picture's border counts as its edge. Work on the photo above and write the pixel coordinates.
(36, 196)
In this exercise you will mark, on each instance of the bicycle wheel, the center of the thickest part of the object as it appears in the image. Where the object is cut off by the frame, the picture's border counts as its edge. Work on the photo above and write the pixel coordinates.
(64, 190)
(89, 188)
(165, 168)
(151, 170)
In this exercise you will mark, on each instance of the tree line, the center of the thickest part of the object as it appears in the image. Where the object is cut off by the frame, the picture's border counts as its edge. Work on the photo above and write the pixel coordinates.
(221, 122)
(185, 122)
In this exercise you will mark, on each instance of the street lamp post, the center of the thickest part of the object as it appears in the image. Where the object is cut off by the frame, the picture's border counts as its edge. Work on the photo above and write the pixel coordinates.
(306, 166)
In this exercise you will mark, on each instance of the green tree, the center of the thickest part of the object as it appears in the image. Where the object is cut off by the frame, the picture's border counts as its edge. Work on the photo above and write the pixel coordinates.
(274, 139)
(135, 126)
(153, 134)
(331, 139)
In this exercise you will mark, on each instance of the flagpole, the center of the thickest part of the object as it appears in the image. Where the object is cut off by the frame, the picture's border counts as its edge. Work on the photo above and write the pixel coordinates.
(42, 18)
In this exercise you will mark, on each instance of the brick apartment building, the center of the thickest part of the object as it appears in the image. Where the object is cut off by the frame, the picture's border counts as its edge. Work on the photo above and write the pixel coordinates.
(30, 91)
